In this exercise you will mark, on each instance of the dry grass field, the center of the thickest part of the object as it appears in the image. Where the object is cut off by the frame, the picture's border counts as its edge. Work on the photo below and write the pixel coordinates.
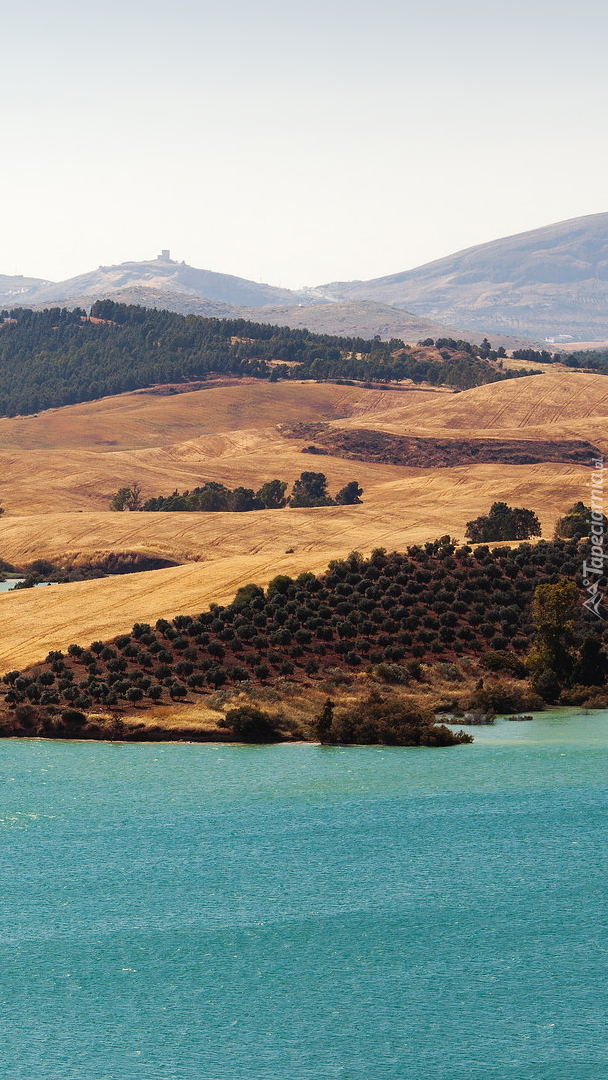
(60, 468)
(72, 459)
(554, 404)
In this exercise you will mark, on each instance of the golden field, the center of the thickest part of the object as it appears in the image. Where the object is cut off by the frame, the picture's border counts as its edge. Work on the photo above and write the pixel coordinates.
(60, 468)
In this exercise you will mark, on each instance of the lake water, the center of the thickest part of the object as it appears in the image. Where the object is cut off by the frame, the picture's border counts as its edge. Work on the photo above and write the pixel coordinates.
(9, 584)
(223, 912)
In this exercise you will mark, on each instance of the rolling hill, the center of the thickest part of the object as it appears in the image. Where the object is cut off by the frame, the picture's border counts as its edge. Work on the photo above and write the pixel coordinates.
(59, 469)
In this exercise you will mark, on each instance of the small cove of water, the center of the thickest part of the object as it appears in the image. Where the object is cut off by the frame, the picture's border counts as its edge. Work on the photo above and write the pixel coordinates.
(214, 912)
(9, 584)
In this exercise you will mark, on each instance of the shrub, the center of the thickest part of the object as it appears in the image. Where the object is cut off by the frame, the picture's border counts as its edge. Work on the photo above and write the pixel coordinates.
(449, 672)
(547, 685)
(49, 697)
(498, 698)
(414, 668)
(238, 674)
(392, 724)
(324, 722)
(73, 718)
(246, 594)
(183, 667)
(392, 673)
(26, 715)
(250, 725)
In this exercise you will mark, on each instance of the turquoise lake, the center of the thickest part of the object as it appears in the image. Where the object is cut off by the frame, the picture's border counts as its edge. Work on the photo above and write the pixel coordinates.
(210, 912)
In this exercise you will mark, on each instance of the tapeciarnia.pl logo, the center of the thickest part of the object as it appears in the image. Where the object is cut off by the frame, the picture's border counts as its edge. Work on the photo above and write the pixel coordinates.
(593, 571)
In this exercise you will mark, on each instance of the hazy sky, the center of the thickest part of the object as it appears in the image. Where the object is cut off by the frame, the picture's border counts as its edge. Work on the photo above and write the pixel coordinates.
(294, 143)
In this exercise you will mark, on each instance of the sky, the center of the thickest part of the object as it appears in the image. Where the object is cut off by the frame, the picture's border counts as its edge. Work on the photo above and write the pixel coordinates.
(294, 143)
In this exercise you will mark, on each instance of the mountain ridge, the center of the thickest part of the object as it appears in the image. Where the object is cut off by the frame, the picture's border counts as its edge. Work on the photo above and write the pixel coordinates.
(176, 277)
(544, 284)
(547, 282)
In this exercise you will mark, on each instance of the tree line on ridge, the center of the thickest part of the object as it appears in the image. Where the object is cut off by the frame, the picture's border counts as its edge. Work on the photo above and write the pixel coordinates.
(60, 357)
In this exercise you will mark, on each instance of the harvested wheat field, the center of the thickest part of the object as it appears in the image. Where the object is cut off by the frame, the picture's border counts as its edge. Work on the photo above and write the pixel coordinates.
(61, 467)
(412, 508)
(557, 402)
(74, 458)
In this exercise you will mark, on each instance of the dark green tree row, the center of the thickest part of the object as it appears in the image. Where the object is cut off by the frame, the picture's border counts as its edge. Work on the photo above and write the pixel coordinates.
(485, 350)
(589, 359)
(60, 357)
(309, 490)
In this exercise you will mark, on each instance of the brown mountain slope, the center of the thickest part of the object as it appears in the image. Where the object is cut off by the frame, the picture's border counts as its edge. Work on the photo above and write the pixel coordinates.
(543, 283)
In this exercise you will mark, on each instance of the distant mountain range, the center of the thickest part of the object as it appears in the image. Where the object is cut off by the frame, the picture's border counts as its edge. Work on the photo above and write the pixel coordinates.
(551, 283)
(175, 286)
(548, 283)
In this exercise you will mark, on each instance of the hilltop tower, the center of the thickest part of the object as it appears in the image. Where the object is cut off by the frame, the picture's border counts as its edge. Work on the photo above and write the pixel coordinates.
(165, 255)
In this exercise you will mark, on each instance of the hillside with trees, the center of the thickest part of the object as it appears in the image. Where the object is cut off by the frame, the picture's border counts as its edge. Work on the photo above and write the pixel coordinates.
(388, 617)
(60, 357)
